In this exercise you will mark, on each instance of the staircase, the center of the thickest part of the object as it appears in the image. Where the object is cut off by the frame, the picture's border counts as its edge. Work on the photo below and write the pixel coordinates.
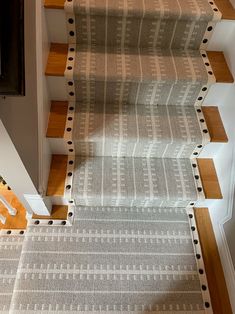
(125, 234)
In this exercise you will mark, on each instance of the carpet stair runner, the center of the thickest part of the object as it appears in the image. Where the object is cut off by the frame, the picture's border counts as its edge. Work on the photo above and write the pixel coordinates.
(112, 260)
(136, 76)
(165, 24)
(10, 253)
(107, 181)
(123, 75)
(138, 130)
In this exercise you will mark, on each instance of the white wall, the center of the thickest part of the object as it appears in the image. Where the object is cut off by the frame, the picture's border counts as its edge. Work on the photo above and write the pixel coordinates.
(19, 114)
(223, 211)
(43, 97)
(25, 118)
(12, 168)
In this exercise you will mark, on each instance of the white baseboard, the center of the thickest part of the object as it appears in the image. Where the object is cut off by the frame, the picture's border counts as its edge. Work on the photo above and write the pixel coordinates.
(227, 263)
(40, 205)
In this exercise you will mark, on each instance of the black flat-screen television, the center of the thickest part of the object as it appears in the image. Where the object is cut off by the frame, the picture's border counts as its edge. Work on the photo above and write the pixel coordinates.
(12, 70)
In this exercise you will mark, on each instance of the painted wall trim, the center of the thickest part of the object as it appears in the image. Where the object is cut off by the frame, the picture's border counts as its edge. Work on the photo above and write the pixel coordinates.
(14, 172)
(43, 101)
(40, 205)
(229, 269)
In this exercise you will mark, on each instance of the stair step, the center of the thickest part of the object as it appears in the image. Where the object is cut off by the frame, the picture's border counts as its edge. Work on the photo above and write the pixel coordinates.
(209, 178)
(60, 215)
(214, 124)
(148, 10)
(57, 180)
(107, 181)
(213, 268)
(58, 56)
(177, 26)
(137, 131)
(60, 114)
(220, 67)
(225, 7)
(137, 76)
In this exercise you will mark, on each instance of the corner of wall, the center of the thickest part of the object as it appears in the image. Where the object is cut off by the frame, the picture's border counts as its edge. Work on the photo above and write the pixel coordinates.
(43, 99)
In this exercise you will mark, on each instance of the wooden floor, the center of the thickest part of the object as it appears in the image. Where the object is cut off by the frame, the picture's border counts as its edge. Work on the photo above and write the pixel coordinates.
(214, 271)
(18, 222)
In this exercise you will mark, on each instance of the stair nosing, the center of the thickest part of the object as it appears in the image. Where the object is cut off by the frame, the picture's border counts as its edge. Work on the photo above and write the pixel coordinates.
(208, 176)
(211, 113)
(57, 59)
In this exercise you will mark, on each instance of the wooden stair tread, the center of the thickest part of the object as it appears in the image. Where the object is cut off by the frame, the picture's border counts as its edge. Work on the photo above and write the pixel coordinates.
(220, 67)
(54, 4)
(59, 212)
(58, 172)
(209, 178)
(58, 114)
(57, 119)
(225, 7)
(213, 267)
(57, 175)
(57, 59)
(214, 124)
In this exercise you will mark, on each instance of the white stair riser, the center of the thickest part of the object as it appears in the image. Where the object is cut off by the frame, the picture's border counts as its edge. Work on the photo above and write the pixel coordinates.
(56, 25)
(58, 146)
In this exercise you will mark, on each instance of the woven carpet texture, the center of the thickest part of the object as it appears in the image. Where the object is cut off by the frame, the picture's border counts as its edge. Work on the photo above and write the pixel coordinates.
(112, 260)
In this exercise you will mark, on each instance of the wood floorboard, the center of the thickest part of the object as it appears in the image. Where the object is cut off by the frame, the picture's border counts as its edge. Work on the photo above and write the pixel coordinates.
(213, 267)
(18, 221)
